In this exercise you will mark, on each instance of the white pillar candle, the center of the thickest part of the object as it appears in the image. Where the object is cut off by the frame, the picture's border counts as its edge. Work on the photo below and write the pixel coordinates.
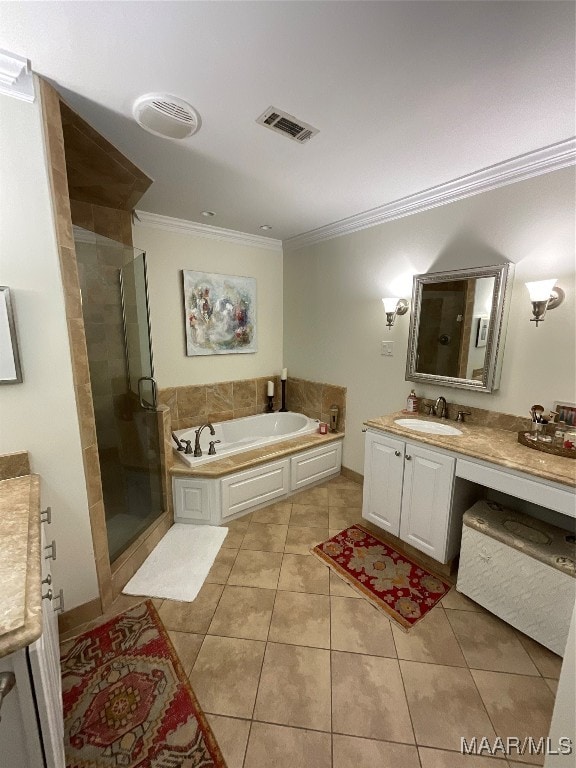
(284, 375)
(270, 388)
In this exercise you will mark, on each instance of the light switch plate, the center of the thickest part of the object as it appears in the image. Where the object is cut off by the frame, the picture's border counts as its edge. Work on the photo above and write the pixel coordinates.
(387, 348)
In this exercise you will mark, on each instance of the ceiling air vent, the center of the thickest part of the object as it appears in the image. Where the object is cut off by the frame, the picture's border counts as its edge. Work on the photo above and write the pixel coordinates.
(165, 115)
(290, 126)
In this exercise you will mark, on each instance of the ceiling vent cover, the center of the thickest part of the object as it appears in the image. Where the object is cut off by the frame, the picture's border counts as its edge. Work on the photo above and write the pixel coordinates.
(288, 125)
(166, 115)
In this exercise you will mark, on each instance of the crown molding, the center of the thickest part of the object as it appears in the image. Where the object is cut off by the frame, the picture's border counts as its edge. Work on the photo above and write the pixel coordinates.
(16, 78)
(544, 160)
(184, 227)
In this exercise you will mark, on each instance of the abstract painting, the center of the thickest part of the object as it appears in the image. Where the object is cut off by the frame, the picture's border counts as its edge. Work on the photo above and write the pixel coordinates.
(220, 313)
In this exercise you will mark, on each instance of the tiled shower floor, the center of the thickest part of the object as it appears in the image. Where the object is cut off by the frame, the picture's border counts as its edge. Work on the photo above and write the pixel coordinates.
(295, 670)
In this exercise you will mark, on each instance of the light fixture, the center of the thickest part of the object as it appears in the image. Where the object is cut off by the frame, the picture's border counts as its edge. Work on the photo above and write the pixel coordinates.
(265, 227)
(544, 294)
(208, 214)
(393, 307)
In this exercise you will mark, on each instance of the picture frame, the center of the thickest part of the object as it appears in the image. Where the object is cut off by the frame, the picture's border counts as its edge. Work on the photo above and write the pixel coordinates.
(220, 313)
(10, 368)
(483, 322)
(566, 412)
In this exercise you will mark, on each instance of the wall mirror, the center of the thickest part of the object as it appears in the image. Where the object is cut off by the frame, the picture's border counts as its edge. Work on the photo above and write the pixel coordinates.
(458, 327)
(10, 370)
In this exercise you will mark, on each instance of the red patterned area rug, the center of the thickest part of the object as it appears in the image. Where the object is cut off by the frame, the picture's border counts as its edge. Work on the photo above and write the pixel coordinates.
(127, 701)
(387, 578)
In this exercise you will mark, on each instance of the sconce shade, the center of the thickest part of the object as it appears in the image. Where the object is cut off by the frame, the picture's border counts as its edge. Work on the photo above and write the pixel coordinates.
(390, 304)
(540, 290)
(544, 294)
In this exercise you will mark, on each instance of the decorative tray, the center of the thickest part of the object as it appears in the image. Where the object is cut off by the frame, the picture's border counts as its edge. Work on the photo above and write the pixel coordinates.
(555, 450)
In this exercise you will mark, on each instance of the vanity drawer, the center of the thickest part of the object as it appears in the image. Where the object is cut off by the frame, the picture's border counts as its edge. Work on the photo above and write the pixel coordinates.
(536, 491)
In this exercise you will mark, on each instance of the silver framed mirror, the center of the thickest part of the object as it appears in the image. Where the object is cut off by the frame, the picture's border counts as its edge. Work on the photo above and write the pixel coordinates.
(10, 369)
(458, 327)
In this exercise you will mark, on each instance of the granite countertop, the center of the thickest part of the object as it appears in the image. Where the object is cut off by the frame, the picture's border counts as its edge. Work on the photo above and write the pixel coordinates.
(20, 574)
(497, 446)
(248, 459)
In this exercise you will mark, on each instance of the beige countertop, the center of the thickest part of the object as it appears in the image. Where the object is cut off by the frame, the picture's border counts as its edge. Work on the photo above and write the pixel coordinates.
(248, 459)
(20, 574)
(497, 446)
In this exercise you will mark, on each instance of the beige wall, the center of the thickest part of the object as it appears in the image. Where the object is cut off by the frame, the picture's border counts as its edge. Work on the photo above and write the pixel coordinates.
(168, 253)
(39, 415)
(334, 319)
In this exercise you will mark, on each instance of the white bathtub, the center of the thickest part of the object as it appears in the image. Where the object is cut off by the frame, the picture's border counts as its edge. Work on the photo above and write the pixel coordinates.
(243, 434)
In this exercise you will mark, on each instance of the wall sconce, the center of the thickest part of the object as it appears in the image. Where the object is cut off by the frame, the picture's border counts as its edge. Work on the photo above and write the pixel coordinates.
(393, 307)
(544, 294)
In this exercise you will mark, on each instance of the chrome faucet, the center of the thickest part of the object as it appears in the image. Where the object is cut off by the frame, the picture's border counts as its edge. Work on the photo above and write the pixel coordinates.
(197, 449)
(442, 414)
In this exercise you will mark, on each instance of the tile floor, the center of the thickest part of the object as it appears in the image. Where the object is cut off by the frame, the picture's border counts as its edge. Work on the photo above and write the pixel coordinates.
(295, 670)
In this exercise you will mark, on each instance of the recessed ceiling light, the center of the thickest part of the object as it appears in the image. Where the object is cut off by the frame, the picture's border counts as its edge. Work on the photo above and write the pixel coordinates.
(208, 214)
(265, 226)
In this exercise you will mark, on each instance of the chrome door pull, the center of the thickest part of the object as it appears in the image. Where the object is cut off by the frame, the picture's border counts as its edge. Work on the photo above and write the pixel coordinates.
(7, 682)
(52, 548)
(143, 403)
(60, 598)
(48, 513)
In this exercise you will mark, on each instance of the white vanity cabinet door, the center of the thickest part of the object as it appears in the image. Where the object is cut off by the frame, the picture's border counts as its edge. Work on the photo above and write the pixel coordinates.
(383, 473)
(426, 500)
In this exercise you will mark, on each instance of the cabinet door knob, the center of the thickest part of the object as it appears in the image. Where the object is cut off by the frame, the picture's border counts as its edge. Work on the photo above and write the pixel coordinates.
(47, 580)
(397, 453)
(7, 682)
(408, 457)
(48, 596)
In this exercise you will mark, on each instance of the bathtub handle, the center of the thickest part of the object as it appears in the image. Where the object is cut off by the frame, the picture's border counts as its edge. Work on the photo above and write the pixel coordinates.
(212, 449)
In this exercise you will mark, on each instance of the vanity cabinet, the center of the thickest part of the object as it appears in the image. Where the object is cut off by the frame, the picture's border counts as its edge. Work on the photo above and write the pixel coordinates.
(408, 492)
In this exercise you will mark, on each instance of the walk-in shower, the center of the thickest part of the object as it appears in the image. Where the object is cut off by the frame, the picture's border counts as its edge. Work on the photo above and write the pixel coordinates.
(116, 319)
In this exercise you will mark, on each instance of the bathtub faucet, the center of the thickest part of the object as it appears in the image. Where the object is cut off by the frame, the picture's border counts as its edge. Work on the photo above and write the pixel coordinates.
(197, 449)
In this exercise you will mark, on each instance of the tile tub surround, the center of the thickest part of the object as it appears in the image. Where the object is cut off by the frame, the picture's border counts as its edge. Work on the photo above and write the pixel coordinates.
(290, 665)
(14, 465)
(21, 621)
(494, 445)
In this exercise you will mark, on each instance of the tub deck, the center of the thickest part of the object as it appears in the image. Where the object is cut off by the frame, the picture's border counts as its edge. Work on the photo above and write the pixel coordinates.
(253, 457)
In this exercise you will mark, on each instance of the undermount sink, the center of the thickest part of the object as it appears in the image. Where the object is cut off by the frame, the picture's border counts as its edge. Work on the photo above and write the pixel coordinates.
(431, 427)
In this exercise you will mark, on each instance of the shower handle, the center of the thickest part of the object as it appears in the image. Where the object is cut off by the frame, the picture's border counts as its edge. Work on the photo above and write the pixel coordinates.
(143, 403)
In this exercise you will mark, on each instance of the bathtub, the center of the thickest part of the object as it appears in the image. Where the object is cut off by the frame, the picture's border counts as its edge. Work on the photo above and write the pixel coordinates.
(243, 434)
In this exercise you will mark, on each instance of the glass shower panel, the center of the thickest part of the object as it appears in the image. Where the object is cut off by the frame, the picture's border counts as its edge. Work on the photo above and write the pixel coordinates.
(116, 319)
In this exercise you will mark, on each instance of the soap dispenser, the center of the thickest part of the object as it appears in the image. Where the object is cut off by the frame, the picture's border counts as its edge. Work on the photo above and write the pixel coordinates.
(412, 402)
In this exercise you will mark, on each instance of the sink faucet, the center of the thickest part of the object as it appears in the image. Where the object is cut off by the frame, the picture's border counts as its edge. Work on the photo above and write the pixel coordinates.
(197, 449)
(442, 414)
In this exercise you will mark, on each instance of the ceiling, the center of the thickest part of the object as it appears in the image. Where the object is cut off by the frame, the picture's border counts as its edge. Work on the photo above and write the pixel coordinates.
(406, 95)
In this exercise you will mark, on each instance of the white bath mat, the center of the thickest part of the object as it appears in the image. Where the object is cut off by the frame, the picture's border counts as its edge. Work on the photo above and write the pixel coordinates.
(178, 566)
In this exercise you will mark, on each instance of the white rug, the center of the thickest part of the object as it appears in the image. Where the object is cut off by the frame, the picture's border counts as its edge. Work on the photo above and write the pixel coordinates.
(178, 566)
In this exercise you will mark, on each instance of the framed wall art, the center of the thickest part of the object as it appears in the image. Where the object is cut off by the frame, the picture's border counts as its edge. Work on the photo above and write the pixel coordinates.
(220, 313)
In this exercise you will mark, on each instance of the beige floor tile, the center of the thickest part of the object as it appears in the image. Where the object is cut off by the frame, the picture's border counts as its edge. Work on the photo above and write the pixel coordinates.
(222, 566)
(264, 537)
(444, 705)
(432, 640)
(304, 574)
(316, 496)
(343, 517)
(195, 616)
(186, 645)
(455, 600)
(368, 698)
(309, 516)
(548, 664)
(295, 687)
(225, 675)
(352, 752)
(256, 569)
(439, 758)
(232, 737)
(340, 588)
(489, 643)
(274, 514)
(358, 627)
(236, 531)
(300, 540)
(518, 705)
(343, 496)
(301, 619)
(283, 747)
(243, 612)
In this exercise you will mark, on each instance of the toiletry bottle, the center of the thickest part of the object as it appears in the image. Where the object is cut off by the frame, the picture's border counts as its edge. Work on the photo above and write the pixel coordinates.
(412, 403)
(559, 434)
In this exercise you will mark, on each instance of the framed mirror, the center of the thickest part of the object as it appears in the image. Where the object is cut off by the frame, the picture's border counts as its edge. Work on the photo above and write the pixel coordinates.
(10, 370)
(458, 327)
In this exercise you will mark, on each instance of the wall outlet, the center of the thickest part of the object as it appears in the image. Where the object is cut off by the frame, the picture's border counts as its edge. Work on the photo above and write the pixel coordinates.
(387, 348)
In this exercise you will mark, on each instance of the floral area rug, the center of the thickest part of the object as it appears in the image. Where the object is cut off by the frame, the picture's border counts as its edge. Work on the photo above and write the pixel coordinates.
(386, 577)
(127, 701)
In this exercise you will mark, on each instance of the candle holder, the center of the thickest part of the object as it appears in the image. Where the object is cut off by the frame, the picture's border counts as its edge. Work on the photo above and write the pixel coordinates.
(283, 383)
(270, 406)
